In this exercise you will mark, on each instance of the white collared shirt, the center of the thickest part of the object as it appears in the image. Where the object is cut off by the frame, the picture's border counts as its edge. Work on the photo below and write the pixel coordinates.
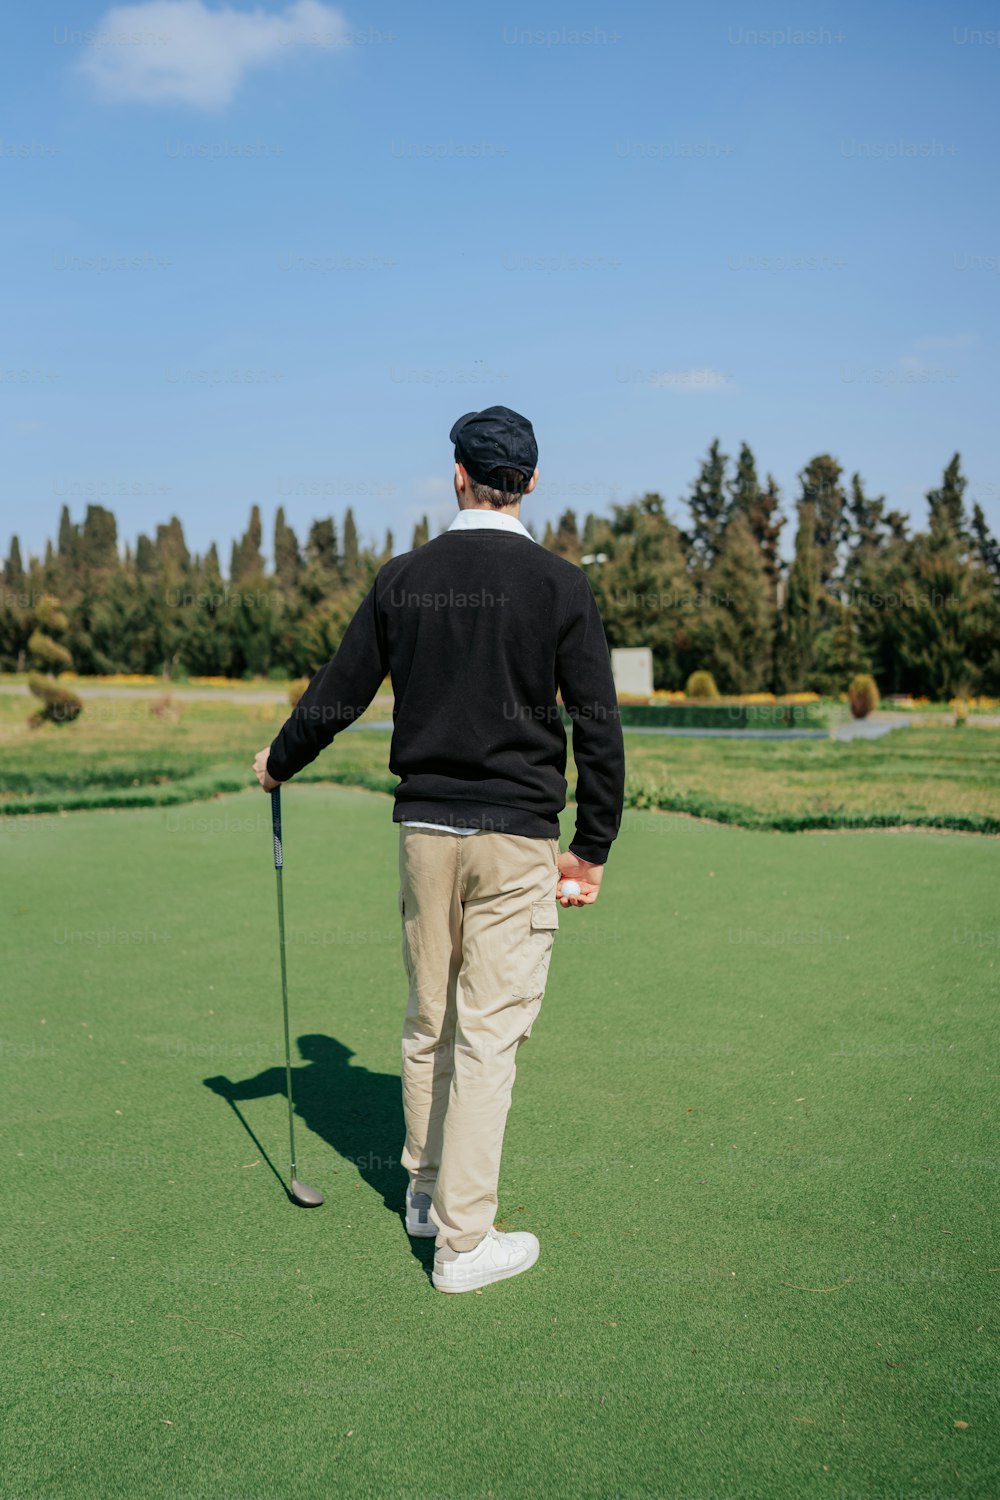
(475, 520)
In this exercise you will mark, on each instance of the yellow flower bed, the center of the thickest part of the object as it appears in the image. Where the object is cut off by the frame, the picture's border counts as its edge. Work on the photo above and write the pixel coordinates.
(121, 679)
(662, 696)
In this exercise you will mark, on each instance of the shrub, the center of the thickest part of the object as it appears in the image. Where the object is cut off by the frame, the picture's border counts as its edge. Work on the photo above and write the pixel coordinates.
(48, 653)
(960, 708)
(59, 705)
(701, 685)
(863, 695)
(296, 690)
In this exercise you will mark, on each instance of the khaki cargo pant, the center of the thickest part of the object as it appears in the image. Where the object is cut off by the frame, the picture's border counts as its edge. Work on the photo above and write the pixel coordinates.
(479, 916)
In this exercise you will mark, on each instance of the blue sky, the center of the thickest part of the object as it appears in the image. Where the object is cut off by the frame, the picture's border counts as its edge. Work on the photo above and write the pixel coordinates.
(267, 253)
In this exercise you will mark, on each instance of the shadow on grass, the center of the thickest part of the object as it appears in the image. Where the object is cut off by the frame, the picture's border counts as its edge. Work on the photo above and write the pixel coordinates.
(358, 1113)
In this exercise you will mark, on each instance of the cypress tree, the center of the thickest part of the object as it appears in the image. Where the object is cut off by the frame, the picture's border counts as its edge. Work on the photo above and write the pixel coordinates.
(985, 544)
(97, 546)
(350, 560)
(744, 487)
(566, 542)
(741, 618)
(766, 522)
(67, 540)
(13, 568)
(946, 507)
(247, 561)
(800, 615)
(421, 534)
(321, 546)
(709, 506)
(145, 555)
(287, 559)
(821, 488)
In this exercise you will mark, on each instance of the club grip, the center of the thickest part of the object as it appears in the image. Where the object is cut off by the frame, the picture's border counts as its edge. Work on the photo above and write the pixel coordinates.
(276, 826)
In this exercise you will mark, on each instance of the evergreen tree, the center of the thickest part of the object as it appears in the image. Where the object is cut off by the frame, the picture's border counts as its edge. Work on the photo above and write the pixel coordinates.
(821, 488)
(709, 506)
(421, 533)
(766, 522)
(67, 541)
(145, 556)
(744, 487)
(985, 545)
(351, 550)
(943, 624)
(566, 542)
(946, 507)
(741, 617)
(13, 568)
(800, 614)
(644, 590)
(287, 559)
(15, 614)
(321, 547)
(840, 655)
(247, 561)
(97, 547)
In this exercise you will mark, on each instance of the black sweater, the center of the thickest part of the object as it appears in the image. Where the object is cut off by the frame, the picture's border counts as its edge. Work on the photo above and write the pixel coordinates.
(478, 630)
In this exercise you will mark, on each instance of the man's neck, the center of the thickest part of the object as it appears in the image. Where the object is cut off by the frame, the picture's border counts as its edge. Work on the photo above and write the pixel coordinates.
(497, 510)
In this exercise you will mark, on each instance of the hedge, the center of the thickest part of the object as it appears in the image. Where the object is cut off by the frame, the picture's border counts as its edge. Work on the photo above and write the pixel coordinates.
(706, 715)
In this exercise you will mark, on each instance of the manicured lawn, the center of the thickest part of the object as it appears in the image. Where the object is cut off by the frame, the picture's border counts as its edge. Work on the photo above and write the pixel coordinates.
(754, 1128)
(119, 754)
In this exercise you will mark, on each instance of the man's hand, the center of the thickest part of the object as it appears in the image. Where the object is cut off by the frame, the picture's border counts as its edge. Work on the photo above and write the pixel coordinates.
(588, 876)
(267, 782)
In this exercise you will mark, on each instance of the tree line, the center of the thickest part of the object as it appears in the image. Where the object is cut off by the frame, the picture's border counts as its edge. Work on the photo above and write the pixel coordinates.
(861, 592)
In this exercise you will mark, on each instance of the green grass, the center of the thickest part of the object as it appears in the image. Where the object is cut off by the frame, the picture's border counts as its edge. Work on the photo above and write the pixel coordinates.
(755, 1130)
(119, 755)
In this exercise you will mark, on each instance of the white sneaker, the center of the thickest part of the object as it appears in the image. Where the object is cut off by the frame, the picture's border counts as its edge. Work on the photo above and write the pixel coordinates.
(419, 1223)
(497, 1256)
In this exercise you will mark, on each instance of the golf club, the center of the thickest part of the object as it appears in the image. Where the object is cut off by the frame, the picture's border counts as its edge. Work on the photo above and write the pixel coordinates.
(301, 1193)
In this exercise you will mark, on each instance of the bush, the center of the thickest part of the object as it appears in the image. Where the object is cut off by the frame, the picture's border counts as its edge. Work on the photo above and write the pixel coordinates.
(960, 708)
(863, 695)
(296, 690)
(701, 685)
(48, 653)
(59, 705)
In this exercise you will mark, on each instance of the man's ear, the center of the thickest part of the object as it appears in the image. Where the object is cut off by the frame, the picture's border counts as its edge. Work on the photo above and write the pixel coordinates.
(461, 478)
(531, 483)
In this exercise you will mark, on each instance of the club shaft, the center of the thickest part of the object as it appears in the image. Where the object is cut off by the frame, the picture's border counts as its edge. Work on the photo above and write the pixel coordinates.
(279, 860)
(288, 1041)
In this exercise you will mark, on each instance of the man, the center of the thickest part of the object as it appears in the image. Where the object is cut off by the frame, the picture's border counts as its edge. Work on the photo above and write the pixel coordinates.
(480, 629)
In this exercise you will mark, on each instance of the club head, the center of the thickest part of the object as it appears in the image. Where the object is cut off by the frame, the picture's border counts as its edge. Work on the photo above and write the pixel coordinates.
(304, 1195)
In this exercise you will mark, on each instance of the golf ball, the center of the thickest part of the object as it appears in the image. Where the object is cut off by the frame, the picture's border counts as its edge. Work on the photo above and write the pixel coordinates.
(571, 888)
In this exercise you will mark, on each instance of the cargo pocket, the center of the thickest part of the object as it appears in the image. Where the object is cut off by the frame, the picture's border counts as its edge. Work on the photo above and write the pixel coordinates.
(536, 950)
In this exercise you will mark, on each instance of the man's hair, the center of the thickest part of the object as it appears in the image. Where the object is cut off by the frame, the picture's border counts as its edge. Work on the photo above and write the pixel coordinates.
(503, 487)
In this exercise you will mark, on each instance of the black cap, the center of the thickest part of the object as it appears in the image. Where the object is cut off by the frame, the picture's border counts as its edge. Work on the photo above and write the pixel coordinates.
(496, 438)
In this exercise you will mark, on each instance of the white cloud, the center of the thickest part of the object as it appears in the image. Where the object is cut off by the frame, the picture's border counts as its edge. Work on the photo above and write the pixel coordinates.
(181, 52)
(947, 341)
(692, 382)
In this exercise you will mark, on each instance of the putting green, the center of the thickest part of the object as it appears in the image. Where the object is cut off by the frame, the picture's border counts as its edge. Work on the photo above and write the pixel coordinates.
(754, 1130)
